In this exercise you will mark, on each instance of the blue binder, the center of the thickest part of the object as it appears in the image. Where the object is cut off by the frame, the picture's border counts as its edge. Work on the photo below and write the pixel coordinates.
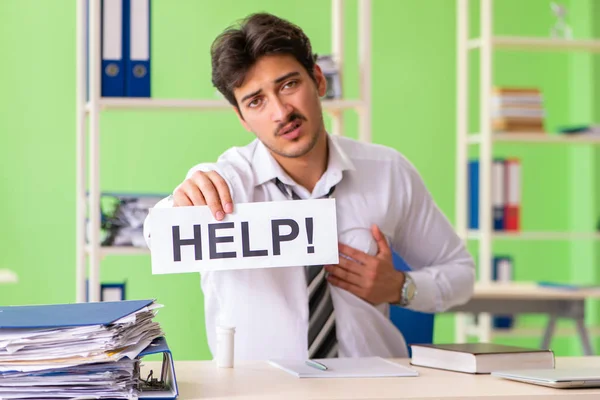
(100, 313)
(473, 194)
(167, 378)
(113, 67)
(67, 315)
(498, 193)
(136, 39)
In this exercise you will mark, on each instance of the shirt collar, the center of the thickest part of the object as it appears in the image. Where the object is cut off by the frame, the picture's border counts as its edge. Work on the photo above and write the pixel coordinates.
(266, 168)
(338, 159)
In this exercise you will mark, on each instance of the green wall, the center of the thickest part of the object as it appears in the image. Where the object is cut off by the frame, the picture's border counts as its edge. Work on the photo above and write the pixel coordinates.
(585, 108)
(413, 111)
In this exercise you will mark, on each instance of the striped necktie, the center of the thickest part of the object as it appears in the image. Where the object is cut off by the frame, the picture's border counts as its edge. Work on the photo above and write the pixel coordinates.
(322, 340)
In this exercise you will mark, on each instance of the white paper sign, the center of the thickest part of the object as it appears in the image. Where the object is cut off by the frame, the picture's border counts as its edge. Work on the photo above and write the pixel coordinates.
(256, 235)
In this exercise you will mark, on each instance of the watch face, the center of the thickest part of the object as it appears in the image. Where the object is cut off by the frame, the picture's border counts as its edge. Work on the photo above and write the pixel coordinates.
(410, 292)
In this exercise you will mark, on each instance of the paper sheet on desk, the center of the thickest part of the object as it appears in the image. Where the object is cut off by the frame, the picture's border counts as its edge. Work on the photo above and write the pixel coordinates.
(365, 367)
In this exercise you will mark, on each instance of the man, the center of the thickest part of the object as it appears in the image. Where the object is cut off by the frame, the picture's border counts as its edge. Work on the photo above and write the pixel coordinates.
(267, 71)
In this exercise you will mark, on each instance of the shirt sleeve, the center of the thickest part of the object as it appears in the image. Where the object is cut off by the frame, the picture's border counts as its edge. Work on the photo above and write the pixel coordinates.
(442, 268)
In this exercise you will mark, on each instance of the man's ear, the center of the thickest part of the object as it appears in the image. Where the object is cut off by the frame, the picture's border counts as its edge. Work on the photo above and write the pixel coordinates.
(321, 81)
(241, 118)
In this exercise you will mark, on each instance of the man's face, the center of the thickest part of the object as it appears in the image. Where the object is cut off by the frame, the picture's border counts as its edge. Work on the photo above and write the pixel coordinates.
(279, 102)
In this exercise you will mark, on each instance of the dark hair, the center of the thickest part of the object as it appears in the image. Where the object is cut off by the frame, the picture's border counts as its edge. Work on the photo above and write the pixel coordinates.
(236, 50)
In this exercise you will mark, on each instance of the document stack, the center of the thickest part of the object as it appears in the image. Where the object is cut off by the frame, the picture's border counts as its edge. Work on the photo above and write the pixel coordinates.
(516, 109)
(87, 350)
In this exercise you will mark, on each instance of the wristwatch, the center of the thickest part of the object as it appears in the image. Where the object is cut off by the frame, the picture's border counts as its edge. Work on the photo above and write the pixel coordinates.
(409, 290)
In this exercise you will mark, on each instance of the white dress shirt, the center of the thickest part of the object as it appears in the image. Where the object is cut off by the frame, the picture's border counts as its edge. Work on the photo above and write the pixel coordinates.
(374, 185)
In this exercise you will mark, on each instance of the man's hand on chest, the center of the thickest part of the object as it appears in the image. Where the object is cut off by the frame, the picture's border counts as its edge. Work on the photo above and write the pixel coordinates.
(372, 278)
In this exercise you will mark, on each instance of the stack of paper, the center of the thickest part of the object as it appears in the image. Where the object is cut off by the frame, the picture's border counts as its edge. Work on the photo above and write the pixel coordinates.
(74, 350)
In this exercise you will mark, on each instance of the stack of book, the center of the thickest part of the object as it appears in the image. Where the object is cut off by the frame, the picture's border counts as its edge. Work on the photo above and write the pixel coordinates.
(86, 350)
(517, 109)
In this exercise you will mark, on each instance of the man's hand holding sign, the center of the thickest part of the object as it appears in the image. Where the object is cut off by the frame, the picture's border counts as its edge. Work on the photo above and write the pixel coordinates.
(258, 235)
(205, 189)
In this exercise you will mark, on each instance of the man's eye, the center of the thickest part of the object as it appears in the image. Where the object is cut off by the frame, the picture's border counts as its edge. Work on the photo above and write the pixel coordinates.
(290, 84)
(254, 103)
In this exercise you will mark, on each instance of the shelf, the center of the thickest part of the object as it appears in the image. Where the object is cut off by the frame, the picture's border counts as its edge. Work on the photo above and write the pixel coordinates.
(525, 137)
(532, 235)
(121, 250)
(125, 103)
(538, 43)
(8, 276)
(535, 332)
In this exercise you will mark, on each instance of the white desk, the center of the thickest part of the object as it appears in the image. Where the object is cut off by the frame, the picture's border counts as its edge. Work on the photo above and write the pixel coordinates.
(527, 298)
(259, 380)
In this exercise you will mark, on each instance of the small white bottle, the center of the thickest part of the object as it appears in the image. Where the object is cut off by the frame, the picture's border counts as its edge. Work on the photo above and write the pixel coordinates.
(225, 348)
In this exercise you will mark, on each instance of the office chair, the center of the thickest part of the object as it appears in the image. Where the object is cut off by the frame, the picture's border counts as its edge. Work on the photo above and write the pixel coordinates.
(416, 327)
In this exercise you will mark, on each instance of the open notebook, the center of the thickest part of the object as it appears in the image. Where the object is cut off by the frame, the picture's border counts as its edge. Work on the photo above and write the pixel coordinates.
(367, 367)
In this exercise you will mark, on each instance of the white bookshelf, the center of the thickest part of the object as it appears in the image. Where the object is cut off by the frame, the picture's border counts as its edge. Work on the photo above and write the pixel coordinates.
(203, 105)
(88, 113)
(533, 43)
(120, 250)
(485, 45)
(562, 331)
(532, 235)
(536, 138)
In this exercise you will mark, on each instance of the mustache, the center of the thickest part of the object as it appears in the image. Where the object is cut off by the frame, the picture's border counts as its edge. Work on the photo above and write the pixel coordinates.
(291, 118)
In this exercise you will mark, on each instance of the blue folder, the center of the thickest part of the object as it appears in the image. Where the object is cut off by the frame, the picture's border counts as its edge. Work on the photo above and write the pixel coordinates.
(136, 39)
(113, 65)
(499, 212)
(473, 194)
(67, 315)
